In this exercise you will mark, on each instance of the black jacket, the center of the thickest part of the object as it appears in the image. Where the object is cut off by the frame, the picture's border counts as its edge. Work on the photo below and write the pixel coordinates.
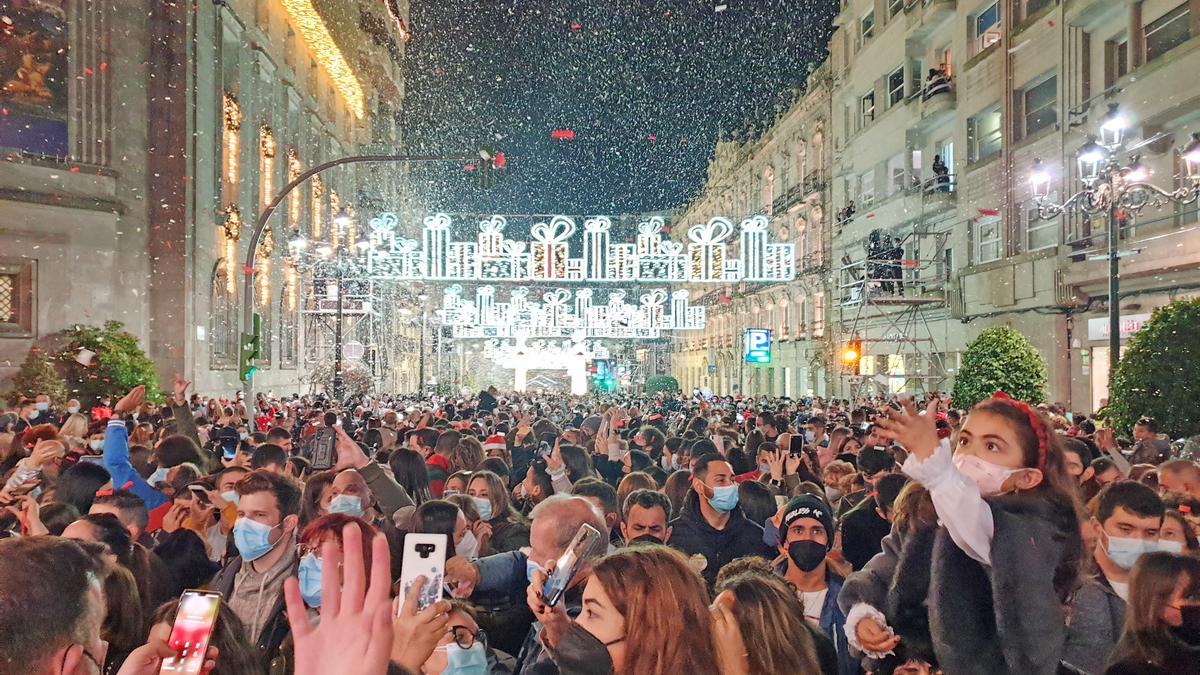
(863, 531)
(692, 535)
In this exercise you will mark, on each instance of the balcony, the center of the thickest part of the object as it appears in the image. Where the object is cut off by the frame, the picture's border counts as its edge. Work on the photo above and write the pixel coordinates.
(938, 103)
(925, 16)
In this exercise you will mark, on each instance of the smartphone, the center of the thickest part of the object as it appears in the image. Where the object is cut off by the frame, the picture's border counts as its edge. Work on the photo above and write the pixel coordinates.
(199, 493)
(585, 546)
(92, 459)
(424, 556)
(796, 445)
(191, 632)
(324, 454)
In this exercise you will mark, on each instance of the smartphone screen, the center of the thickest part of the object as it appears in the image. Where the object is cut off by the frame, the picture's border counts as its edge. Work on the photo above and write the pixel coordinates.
(191, 632)
(796, 445)
(582, 548)
(424, 556)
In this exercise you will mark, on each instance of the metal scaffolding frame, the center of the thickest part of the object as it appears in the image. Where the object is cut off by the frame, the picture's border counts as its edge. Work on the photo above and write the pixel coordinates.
(889, 296)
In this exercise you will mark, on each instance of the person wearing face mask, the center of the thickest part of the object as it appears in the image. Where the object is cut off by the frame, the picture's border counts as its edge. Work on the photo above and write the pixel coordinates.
(1126, 525)
(265, 535)
(645, 612)
(711, 529)
(1006, 558)
(1161, 635)
(806, 536)
(438, 516)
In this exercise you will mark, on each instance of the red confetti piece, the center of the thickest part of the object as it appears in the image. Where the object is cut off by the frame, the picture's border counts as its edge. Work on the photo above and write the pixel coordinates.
(87, 70)
(103, 66)
(652, 138)
(74, 169)
(576, 26)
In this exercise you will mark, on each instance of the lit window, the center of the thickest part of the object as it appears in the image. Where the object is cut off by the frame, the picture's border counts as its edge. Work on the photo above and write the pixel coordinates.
(1040, 233)
(867, 109)
(866, 189)
(987, 26)
(17, 288)
(987, 239)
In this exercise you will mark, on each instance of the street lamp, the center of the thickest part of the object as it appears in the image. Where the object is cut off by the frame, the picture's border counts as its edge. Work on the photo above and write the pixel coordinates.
(1118, 191)
(342, 219)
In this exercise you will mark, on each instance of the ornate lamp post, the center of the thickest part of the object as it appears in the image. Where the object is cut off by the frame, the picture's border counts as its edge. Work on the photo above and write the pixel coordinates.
(1114, 188)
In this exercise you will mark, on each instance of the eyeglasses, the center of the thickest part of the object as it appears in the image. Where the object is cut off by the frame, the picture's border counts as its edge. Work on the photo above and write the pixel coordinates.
(465, 638)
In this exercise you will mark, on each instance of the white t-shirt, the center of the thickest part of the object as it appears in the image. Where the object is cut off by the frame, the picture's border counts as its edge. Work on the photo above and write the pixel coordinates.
(813, 602)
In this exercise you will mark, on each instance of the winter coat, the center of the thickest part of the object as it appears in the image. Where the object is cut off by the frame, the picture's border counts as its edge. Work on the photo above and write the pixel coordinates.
(1094, 623)
(700, 541)
(1007, 618)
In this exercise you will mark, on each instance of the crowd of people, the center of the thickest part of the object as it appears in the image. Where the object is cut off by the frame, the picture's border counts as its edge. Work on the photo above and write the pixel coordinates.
(738, 536)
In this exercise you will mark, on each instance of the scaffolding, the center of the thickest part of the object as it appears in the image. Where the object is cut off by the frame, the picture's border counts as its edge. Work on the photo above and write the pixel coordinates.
(885, 301)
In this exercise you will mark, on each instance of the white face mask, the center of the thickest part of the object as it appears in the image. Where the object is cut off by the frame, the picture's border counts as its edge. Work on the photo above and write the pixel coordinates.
(989, 477)
(468, 548)
(96, 444)
(72, 409)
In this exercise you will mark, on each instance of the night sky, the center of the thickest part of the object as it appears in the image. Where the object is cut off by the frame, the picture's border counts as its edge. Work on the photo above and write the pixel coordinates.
(646, 87)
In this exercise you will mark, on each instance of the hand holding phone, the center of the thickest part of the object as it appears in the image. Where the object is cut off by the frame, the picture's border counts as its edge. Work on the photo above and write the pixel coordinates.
(584, 547)
(191, 632)
(425, 560)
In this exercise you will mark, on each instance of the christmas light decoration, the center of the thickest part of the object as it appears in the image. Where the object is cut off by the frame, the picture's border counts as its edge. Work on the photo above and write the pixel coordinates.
(266, 151)
(232, 227)
(232, 127)
(290, 282)
(326, 52)
(547, 354)
(547, 257)
(294, 167)
(266, 246)
(561, 313)
(317, 213)
(335, 207)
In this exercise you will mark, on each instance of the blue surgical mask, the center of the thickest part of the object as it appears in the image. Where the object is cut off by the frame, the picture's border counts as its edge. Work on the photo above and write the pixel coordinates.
(724, 499)
(530, 568)
(459, 661)
(72, 409)
(347, 504)
(1125, 551)
(42, 407)
(1175, 547)
(484, 507)
(243, 435)
(96, 444)
(232, 497)
(764, 468)
(253, 539)
(309, 576)
(809, 437)
(159, 476)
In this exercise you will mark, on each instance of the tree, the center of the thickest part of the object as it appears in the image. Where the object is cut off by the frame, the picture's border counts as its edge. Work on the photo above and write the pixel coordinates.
(661, 383)
(356, 378)
(1159, 374)
(118, 366)
(38, 376)
(1000, 359)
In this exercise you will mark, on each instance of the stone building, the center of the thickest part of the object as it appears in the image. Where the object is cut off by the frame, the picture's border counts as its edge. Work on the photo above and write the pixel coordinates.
(130, 180)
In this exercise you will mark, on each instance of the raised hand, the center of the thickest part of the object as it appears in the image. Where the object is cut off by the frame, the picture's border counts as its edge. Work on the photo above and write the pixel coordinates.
(180, 387)
(915, 433)
(554, 619)
(355, 633)
(349, 455)
(131, 401)
(416, 634)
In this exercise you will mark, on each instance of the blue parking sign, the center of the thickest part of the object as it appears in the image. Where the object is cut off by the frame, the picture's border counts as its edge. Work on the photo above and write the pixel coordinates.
(758, 345)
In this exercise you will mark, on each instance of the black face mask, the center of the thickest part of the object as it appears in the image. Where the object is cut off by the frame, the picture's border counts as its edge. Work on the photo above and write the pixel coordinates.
(807, 554)
(645, 539)
(578, 652)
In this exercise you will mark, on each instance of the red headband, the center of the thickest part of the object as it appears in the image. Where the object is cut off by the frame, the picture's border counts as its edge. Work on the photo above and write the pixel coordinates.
(1039, 429)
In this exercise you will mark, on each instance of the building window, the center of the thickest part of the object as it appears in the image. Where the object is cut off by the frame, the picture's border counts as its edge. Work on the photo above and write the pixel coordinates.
(896, 86)
(987, 239)
(801, 244)
(768, 191)
(818, 328)
(1167, 32)
(894, 7)
(1040, 232)
(1116, 59)
(1040, 102)
(984, 134)
(986, 25)
(222, 330)
(867, 108)
(896, 174)
(866, 188)
(867, 25)
(17, 291)
(1032, 7)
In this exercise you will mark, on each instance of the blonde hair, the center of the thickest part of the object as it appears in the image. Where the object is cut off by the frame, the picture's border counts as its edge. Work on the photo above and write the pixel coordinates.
(76, 425)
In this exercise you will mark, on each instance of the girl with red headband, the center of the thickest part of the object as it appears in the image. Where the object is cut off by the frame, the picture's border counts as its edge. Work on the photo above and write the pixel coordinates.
(1008, 549)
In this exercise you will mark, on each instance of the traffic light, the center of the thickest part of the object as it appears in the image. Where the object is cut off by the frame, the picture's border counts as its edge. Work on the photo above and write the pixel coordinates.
(852, 357)
(248, 352)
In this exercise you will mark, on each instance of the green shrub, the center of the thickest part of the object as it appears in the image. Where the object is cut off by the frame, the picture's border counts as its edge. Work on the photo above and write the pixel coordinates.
(119, 364)
(1000, 359)
(661, 383)
(38, 376)
(1159, 374)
